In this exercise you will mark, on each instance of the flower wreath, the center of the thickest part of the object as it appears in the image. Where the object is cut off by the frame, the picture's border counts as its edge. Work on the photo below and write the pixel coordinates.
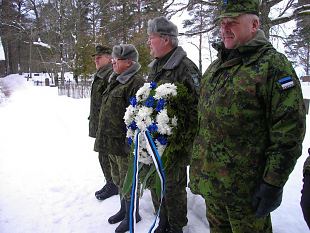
(149, 111)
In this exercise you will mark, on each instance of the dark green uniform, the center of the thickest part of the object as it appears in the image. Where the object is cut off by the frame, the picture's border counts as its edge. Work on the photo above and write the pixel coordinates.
(252, 124)
(99, 84)
(111, 134)
(175, 67)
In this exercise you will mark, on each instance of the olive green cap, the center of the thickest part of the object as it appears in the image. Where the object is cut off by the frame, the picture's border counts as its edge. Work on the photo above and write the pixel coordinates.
(102, 49)
(234, 8)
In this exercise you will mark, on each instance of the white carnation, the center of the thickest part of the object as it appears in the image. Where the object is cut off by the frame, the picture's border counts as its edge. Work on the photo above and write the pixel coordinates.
(165, 90)
(130, 133)
(162, 120)
(129, 114)
(143, 92)
(143, 118)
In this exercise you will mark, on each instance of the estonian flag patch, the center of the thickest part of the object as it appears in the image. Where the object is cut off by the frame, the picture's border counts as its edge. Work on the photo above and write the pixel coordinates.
(286, 82)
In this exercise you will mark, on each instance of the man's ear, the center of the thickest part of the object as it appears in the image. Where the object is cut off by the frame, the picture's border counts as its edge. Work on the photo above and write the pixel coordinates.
(255, 25)
(129, 63)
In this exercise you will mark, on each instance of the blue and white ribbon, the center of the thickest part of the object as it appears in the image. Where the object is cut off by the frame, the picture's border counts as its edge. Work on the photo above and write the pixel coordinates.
(152, 150)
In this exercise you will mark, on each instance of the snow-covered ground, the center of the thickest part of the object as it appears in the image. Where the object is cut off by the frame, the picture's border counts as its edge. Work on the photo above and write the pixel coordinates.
(49, 173)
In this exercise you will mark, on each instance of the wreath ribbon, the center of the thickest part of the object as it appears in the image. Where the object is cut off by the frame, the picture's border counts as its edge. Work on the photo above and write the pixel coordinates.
(152, 150)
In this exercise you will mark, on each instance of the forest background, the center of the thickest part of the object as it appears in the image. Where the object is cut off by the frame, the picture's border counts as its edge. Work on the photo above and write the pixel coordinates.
(57, 36)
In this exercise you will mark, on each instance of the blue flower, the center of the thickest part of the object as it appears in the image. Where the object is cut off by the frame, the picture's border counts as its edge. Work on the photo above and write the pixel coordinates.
(133, 125)
(153, 127)
(133, 101)
(149, 102)
(129, 141)
(153, 85)
(160, 105)
(162, 139)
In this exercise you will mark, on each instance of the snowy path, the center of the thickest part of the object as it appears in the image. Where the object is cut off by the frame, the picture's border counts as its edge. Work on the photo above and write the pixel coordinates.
(48, 173)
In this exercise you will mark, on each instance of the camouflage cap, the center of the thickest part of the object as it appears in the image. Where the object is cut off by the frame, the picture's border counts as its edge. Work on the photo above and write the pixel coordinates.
(162, 26)
(234, 8)
(102, 49)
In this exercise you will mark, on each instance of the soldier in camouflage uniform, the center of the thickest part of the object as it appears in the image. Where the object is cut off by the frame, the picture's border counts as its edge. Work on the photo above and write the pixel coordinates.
(305, 193)
(103, 64)
(172, 65)
(123, 84)
(251, 125)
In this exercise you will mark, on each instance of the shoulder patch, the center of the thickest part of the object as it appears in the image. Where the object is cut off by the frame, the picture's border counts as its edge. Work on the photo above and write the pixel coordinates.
(286, 82)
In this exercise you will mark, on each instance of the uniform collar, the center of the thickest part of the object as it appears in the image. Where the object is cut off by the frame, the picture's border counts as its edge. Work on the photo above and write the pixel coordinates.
(173, 60)
(124, 77)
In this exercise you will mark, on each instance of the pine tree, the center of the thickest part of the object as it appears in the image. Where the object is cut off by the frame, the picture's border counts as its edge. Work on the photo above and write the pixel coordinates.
(298, 43)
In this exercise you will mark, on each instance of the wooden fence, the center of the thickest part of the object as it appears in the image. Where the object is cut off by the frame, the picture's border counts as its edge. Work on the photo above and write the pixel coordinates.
(77, 91)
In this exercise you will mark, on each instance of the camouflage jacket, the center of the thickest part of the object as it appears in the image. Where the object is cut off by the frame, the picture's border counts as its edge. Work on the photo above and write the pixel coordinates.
(99, 84)
(252, 119)
(175, 67)
(111, 133)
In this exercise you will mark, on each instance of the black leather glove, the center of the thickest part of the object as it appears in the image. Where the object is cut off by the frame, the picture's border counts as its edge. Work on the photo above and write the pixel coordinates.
(266, 199)
(305, 199)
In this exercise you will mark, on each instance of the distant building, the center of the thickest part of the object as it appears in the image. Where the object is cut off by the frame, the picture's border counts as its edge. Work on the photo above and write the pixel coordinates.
(305, 78)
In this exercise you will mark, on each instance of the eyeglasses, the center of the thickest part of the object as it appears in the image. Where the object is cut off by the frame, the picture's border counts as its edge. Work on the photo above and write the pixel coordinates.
(118, 59)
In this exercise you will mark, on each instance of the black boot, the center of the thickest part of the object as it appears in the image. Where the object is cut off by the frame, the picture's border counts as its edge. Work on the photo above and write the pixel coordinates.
(120, 215)
(110, 189)
(100, 191)
(163, 225)
(124, 225)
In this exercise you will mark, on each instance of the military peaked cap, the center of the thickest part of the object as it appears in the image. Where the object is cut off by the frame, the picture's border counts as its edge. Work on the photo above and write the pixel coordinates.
(101, 49)
(234, 8)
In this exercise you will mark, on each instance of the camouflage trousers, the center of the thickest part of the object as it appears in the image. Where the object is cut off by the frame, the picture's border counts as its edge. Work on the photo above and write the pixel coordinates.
(105, 165)
(119, 167)
(174, 205)
(233, 215)
(235, 219)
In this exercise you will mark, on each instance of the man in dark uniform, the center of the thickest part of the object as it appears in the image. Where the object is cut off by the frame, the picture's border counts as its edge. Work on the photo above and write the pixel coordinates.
(251, 125)
(104, 69)
(111, 135)
(171, 65)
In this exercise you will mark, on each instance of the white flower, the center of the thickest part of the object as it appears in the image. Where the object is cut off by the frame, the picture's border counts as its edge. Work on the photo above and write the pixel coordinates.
(130, 133)
(129, 114)
(143, 118)
(162, 120)
(144, 157)
(143, 92)
(165, 90)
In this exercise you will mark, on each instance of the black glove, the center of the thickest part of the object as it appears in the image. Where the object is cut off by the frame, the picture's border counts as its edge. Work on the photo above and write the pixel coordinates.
(266, 199)
(305, 199)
